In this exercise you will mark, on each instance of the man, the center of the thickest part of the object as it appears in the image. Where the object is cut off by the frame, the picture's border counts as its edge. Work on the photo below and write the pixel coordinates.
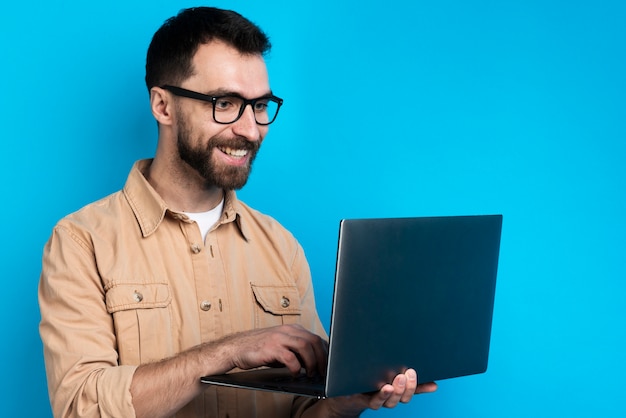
(173, 278)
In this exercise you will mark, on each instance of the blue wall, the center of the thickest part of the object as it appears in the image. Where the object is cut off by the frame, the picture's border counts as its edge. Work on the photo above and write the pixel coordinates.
(426, 108)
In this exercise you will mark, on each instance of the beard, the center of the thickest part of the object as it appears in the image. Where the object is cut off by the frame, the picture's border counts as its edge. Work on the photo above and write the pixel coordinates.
(199, 158)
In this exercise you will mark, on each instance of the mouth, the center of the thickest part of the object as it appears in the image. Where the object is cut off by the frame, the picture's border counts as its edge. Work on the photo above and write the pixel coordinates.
(235, 153)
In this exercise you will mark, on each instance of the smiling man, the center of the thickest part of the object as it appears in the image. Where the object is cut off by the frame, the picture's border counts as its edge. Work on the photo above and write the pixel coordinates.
(174, 278)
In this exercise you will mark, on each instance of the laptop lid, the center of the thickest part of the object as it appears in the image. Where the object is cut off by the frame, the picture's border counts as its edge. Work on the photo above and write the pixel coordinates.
(412, 292)
(409, 292)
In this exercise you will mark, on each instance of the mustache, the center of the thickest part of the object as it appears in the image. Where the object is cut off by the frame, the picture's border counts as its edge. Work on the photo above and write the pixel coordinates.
(237, 142)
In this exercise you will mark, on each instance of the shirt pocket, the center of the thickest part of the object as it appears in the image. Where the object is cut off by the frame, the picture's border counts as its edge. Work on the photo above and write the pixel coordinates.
(142, 318)
(276, 305)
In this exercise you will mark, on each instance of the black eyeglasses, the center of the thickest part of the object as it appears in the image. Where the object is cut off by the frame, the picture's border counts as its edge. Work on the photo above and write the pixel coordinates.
(228, 109)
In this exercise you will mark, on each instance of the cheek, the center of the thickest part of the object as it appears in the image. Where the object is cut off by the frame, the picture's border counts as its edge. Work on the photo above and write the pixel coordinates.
(201, 125)
(206, 133)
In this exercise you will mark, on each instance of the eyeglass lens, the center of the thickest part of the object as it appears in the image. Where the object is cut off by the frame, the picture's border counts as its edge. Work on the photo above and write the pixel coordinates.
(228, 109)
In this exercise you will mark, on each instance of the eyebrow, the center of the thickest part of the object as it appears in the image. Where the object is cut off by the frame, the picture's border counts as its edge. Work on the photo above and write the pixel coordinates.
(225, 92)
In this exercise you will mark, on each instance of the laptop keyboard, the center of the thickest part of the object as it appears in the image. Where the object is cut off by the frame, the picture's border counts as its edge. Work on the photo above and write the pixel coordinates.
(301, 378)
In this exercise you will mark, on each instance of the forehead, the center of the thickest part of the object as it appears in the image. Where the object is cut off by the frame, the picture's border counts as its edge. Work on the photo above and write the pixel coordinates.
(219, 66)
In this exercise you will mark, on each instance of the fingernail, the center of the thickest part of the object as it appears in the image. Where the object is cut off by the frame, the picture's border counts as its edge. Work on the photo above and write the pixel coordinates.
(411, 374)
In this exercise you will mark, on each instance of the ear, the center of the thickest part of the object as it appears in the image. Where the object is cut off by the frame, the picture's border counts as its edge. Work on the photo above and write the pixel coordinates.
(161, 105)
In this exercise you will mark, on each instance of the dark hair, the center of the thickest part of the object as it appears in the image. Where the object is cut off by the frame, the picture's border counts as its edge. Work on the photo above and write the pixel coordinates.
(170, 54)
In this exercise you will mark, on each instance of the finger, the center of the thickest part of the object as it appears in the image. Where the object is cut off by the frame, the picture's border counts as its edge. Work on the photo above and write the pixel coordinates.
(310, 348)
(261, 347)
(283, 345)
(282, 354)
(399, 387)
(303, 351)
(306, 346)
(321, 355)
(426, 387)
(411, 386)
(378, 399)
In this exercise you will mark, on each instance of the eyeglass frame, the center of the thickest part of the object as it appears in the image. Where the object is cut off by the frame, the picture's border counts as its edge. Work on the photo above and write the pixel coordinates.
(190, 94)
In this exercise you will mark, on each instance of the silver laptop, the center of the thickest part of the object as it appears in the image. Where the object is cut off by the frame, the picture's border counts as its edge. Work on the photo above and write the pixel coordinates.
(409, 293)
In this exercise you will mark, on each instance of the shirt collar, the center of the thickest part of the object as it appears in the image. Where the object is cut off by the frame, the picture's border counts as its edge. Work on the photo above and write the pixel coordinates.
(150, 209)
(233, 213)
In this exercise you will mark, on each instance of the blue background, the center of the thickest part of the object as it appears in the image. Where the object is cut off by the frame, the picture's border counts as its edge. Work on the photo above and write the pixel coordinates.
(391, 109)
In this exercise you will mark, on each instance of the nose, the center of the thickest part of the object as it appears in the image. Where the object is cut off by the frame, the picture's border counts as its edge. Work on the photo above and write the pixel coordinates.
(246, 125)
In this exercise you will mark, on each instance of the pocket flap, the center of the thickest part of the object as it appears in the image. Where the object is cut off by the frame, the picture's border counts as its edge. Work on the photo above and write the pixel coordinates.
(278, 300)
(137, 296)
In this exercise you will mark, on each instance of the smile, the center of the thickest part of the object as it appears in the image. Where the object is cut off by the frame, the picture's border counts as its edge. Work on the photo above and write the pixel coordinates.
(237, 153)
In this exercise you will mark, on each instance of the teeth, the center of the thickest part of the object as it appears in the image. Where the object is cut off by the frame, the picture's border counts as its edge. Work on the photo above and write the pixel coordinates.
(234, 152)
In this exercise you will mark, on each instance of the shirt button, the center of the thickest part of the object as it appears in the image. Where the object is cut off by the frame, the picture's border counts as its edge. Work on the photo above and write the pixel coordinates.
(205, 305)
(137, 296)
(195, 248)
(285, 302)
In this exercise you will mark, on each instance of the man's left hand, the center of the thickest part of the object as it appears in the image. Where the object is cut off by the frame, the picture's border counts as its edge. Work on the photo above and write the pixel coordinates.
(401, 390)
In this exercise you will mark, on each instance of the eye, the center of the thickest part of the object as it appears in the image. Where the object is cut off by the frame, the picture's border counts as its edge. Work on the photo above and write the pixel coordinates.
(261, 105)
(227, 103)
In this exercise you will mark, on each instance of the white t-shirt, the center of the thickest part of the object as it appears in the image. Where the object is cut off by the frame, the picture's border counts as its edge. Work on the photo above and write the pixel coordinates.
(206, 220)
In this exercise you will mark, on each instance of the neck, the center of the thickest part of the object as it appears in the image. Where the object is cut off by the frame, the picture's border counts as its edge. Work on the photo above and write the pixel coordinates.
(182, 192)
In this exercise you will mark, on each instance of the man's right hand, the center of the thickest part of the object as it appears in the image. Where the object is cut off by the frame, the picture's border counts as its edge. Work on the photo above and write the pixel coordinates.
(288, 345)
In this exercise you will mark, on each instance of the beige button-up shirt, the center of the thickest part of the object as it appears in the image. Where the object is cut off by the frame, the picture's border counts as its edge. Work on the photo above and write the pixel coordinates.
(126, 281)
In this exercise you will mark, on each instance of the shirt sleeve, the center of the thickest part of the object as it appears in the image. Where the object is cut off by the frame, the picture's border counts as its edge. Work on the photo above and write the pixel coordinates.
(84, 377)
